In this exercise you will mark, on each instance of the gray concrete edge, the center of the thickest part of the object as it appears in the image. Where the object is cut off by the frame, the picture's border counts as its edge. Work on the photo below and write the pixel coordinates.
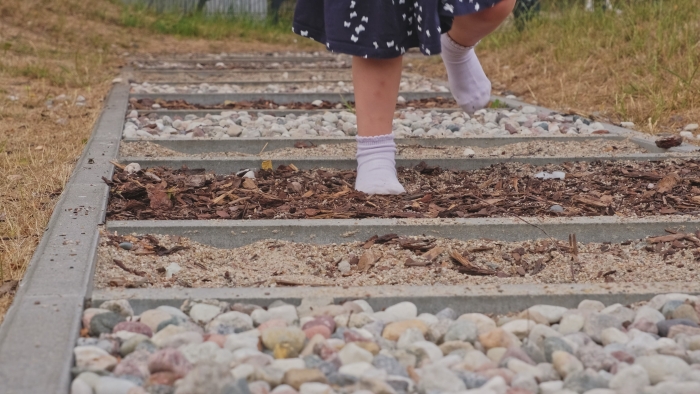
(235, 233)
(279, 98)
(171, 70)
(227, 165)
(498, 299)
(241, 59)
(43, 323)
(254, 83)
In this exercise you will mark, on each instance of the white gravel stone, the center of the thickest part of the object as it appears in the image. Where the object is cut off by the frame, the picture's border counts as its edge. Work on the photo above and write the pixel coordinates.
(592, 305)
(571, 323)
(634, 377)
(660, 367)
(204, 313)
(351, 353)
(613, 335)
(551, 312)
(93, 358)
(402, 311)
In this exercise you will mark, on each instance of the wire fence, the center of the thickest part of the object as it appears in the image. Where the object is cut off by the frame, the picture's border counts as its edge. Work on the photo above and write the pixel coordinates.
(254, 8)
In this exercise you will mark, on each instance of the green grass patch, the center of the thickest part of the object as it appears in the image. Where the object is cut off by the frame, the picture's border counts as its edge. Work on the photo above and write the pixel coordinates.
(646, 49)
(214, 27)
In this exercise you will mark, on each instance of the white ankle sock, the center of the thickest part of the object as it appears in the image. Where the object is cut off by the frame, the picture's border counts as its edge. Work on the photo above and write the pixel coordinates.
(468, 82)
(376, 166)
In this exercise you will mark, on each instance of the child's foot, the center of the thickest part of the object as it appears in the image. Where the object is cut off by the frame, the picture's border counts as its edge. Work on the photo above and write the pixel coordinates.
(376, 166)
(468, 82)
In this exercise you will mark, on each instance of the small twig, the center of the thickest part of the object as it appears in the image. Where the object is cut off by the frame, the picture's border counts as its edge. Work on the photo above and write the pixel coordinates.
(573, 246)
(121, 265)
(263, 149)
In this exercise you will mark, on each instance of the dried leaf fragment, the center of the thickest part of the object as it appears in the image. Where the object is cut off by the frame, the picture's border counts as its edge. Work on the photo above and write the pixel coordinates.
(668, 182)
(433, 253)
(367, 260)
(8, 286)
(159, 199)
(413, 263)
(249, 184)
(266, 165)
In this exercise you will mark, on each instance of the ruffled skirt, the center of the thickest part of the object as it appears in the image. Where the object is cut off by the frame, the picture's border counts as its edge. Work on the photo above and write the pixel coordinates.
(380, 28)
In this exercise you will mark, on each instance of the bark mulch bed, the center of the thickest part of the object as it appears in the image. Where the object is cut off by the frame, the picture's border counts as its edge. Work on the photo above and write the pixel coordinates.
(147, 104)
(622, 188)
(171, 261)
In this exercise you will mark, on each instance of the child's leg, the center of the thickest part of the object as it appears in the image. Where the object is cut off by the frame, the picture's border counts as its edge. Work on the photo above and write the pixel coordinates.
(468, 83)
(376, 83)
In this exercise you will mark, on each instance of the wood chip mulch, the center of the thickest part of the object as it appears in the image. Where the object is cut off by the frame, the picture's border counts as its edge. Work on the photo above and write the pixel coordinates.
(622, 188)
(147, 104)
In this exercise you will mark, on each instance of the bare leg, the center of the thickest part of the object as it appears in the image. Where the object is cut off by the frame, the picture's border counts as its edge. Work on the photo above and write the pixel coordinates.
(376, 83)
(468, 82)
(467, 30)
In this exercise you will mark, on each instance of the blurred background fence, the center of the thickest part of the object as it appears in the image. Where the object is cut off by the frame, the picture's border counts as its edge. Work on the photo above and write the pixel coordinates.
(249, 8)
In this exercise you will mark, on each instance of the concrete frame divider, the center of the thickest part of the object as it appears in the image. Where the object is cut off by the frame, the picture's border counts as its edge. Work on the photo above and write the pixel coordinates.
(246, 59)
(279, 98)
(256, 83)
(205, 73)
(40, 329)
(431, 299)
(236, 233)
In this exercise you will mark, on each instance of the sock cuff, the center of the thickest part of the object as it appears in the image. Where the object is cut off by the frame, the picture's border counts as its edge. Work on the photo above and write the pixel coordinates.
(379, 140)
(452, 44)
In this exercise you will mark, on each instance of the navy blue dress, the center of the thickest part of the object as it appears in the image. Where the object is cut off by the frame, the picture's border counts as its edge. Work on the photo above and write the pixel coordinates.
(380, 28)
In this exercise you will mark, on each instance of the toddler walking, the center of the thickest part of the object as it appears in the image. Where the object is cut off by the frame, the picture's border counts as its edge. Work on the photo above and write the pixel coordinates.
(377, 33)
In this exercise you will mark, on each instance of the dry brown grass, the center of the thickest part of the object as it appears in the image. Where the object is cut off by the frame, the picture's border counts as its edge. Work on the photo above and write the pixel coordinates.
(48, 49)
(638, 66)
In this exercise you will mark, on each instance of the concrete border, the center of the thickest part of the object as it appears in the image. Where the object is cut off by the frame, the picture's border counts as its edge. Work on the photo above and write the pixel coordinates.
(233, 76)
(255, 83)
(279, 98)
(236, 233)
(497, 299)
(227, 165)
(40, 329)
(255, 145)
(246, 59)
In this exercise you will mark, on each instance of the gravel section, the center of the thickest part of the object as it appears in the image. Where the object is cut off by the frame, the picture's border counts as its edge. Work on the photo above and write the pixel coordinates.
(149, 104)
(597, 147)
(241, 65)
(213, 347)
(620, 188)
(411, 83)
(407, 123)
(161, 261)
(194, 76)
